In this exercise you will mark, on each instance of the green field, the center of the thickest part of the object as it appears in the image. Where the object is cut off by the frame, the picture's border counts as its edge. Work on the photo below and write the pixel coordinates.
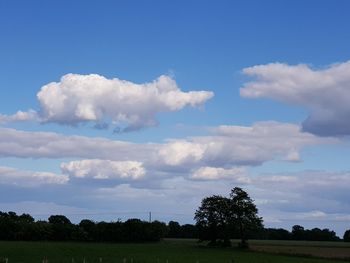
(180, 251)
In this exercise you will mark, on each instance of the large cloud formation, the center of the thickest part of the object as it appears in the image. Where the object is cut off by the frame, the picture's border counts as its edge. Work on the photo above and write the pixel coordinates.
(225, 146)
(325, 93)
(94, 98)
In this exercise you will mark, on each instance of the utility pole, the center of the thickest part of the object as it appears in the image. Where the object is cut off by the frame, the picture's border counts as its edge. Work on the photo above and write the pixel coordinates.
(150, 217)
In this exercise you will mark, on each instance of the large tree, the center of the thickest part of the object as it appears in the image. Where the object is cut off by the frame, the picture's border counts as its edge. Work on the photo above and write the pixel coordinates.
(219, 217)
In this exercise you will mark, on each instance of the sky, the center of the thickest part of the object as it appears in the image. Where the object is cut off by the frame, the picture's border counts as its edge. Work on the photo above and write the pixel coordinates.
(112, 109)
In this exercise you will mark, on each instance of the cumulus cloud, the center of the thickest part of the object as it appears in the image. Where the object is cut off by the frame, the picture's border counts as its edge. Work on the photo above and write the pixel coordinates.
(325, 93)
(236, 174)
(95, 99)
(104, 169)
(24, 178)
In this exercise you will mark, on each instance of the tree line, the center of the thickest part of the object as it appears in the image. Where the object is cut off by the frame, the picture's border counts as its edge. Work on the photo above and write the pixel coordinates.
(218, 220)
(60, 228)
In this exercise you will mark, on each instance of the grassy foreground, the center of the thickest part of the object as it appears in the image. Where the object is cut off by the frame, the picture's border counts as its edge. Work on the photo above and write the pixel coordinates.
(170, 251)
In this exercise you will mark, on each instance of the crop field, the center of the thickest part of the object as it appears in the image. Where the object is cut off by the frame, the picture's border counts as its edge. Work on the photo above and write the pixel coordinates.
(169, 251)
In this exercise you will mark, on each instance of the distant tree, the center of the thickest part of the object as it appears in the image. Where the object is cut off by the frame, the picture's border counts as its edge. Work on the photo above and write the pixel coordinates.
(88, 228)
(298, 232)
(26, 219)
(62, 228)
(42, 231)
(174, 229)
(59, 219)
(25, 227)
(315, 234)
(134, 230)
(189, 231)
(219, 217)
(8, 227)
(277, 234)
(156, 230)
(346, 236)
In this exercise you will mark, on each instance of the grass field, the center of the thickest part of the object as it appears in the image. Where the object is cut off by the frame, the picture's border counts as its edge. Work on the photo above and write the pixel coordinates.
(169, 251)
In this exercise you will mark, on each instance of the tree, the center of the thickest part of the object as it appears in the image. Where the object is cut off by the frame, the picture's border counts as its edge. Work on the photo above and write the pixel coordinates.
(212, 219)
(62, 228)
(298, 232)
(346, 236)
(89, 229)
(219, 217)
(174, 229)
(243, 213)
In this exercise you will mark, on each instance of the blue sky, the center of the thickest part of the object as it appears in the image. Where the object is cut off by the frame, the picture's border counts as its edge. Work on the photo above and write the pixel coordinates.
(216, 119)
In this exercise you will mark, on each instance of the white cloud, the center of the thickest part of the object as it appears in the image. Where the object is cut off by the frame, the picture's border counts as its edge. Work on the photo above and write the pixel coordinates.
(181, 152)
(325, 93)
(236, 174)
(239, 145)
(24, 144)
(104, 169)
(94, 98)
(12, 176)
(30, 115)
(226, 147)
